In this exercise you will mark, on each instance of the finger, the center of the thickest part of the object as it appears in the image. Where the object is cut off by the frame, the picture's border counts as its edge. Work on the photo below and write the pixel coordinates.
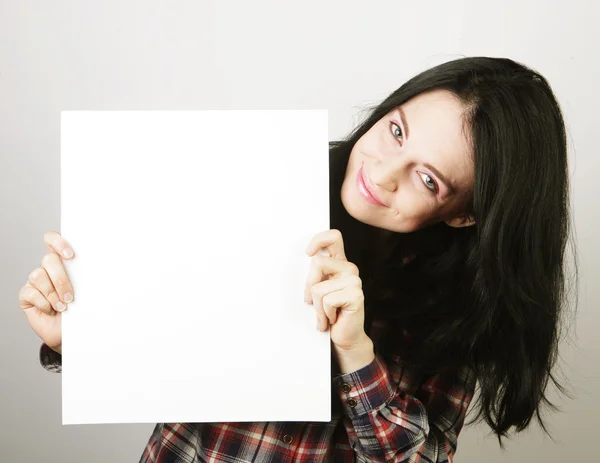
(40, 280)
(350, 298)
(320, 290)
(53, 265)
(330, 240)
(31, 297)
(56, 243)
(55, 269)
(321, 267)
(322, 321)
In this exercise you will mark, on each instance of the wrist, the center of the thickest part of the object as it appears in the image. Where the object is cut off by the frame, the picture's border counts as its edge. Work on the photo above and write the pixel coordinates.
(356, 357)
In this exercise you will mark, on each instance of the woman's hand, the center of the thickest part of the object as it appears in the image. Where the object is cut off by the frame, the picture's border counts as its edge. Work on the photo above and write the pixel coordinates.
(335, 290)
(46, 294)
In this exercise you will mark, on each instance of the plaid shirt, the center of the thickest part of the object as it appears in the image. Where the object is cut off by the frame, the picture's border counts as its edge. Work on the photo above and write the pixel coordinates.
(381, 413)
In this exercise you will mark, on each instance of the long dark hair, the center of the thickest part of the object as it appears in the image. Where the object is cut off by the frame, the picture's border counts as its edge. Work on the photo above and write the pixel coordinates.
(491, 295)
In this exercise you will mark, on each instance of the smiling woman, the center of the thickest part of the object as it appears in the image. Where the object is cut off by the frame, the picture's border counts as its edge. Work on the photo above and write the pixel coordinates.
(453, 200)
(443, 268)
(400, 170)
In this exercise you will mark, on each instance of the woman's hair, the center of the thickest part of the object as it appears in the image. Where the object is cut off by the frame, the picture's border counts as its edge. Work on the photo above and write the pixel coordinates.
(491, 295)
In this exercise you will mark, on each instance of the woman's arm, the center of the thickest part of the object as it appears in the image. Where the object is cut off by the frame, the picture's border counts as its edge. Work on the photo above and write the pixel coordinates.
(386, 423)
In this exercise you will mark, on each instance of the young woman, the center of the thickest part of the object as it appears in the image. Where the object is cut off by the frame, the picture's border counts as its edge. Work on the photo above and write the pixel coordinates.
(448, 232)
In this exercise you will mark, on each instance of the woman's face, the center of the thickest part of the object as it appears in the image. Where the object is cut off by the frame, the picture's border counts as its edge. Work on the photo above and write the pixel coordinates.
(413, 168)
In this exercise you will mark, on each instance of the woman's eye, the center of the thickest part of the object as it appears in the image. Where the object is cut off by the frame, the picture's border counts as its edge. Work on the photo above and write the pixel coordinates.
(429, 182)
(396, 130)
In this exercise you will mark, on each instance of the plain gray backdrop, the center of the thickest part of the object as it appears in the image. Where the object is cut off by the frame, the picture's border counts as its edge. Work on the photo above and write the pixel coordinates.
(335, 55)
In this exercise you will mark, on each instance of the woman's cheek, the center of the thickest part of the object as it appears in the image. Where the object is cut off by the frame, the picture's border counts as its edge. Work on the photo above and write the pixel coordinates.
(413, 210)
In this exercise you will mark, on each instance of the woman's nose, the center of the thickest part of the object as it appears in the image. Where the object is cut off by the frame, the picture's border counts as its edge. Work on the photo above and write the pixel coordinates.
(385, 177)
(389, 186)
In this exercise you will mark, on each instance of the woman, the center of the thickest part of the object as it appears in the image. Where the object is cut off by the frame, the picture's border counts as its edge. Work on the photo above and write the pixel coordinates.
(452, 200)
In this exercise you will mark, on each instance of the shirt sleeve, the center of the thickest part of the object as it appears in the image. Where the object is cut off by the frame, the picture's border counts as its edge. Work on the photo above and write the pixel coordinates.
(50, 359)
(386, 423)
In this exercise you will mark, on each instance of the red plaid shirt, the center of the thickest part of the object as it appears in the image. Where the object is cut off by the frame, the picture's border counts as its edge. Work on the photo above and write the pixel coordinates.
(385, 413)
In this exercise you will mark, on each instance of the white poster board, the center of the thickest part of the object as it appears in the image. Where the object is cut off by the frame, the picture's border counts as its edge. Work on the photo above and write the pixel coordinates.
(189, 230)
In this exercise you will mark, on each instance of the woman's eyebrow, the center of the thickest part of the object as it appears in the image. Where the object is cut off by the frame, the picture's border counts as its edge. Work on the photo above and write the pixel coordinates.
(404, 123)
(451, 187)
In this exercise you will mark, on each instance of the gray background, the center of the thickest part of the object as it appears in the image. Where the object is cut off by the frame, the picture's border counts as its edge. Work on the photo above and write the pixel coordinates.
(335, 55)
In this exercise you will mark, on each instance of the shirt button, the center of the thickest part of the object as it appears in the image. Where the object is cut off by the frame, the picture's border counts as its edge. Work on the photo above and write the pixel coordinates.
(288, 439)
(346, 388)
(352, 403)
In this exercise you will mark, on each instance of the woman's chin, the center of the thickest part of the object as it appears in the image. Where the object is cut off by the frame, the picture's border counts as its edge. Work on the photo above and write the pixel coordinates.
(376, 217)
(363, 212)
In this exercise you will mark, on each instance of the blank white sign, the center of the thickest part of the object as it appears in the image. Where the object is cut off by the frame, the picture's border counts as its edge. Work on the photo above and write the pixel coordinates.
(189, 230)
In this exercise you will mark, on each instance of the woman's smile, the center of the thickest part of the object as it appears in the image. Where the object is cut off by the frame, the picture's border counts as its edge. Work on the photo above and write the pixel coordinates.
(368, 194)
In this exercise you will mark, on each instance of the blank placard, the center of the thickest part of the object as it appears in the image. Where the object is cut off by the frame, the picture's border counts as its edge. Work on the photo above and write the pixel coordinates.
(189, 230)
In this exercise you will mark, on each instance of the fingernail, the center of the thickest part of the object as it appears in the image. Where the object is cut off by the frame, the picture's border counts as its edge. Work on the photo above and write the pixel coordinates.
(60, 306)
(307, 298)
(68, 253)
(68, 297)
(318, 326)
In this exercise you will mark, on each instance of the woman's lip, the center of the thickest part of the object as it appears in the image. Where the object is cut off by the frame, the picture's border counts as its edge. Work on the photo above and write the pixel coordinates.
(364, 190)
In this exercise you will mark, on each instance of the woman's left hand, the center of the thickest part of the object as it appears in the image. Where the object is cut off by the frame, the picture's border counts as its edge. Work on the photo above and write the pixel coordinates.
(335, 289)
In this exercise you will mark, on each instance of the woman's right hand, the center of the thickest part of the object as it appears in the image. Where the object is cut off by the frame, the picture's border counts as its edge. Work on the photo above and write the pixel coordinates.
(46, 294)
